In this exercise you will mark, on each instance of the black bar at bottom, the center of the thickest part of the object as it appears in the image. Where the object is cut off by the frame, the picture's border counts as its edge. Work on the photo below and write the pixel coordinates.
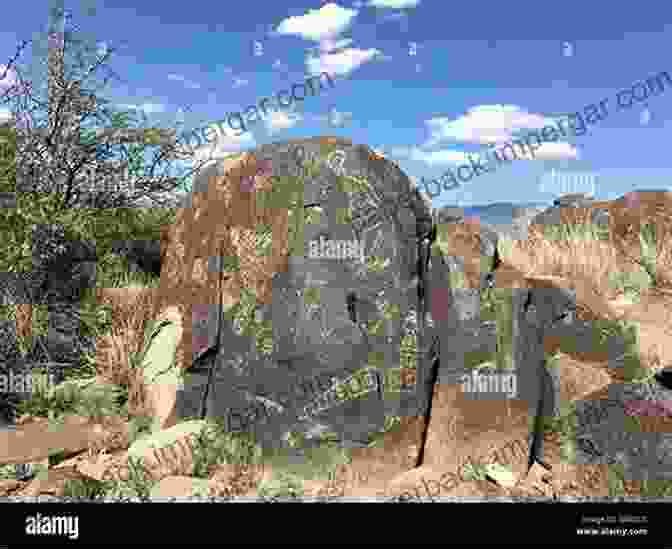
(364, 525)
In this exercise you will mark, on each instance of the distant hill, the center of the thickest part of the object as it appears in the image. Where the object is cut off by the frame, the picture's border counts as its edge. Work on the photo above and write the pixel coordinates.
(498, 212)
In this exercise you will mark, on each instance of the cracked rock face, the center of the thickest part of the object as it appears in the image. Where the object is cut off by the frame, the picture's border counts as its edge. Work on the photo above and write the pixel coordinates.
(320, 339)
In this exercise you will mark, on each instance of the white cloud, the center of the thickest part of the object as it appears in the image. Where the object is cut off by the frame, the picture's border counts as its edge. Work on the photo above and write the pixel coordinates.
(484, 124)
(329, 45)
(188, 83)
(431, 158)
(226, 143)
(239, 82)
(557, 151)
(341, 63)
(281, 120)
(394, 4)
(329, 21)
(5, 115)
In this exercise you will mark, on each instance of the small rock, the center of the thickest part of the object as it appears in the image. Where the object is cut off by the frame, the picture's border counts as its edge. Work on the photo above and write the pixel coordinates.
(500, 475)
(167, 452)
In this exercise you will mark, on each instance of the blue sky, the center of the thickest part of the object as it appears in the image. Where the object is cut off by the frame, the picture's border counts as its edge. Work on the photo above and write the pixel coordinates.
(481, 72)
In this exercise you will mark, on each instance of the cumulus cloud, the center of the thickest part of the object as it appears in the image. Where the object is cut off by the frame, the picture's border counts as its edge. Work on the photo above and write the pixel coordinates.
(341, 63)
(484, 124)
(329, 21)
(431, 158)
(557, 151)
(5, 115)
(324, 26)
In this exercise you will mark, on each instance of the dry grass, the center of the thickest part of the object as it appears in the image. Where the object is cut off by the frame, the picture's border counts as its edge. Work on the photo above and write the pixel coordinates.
(578, 254)
(131, 308)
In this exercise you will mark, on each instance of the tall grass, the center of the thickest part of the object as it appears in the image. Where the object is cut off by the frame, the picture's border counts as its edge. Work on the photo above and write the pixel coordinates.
(622, 256)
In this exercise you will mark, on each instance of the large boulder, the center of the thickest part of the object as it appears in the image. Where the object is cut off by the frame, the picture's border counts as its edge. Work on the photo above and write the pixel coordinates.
(224, 208)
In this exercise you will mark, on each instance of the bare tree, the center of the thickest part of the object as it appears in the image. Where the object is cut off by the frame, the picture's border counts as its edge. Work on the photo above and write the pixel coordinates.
(69, 139)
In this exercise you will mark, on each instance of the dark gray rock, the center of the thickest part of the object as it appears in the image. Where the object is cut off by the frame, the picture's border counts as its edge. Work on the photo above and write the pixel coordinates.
(450, 214)
(315, 344)
(142, 255)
